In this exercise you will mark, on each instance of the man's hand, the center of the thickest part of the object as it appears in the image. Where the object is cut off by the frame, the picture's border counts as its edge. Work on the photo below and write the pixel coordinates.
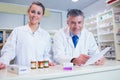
(2, 65)
(81, 59)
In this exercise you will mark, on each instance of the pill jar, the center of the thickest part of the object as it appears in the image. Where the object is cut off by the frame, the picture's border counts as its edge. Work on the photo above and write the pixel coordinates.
(33, 64)
(46, 63)
(40, 64)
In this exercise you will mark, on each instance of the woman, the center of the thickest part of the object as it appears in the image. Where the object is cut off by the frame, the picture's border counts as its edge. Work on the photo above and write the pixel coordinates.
(28, 43)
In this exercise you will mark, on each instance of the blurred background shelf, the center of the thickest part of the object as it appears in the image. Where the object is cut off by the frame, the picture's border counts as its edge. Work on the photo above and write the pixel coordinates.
(106, 29)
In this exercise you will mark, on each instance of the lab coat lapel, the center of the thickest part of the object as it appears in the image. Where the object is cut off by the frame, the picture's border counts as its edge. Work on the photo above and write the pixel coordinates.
(68, 37)
(71, 42)
(80, 45)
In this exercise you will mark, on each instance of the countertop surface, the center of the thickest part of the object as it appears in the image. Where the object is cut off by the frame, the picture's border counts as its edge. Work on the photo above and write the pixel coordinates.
(57, 71)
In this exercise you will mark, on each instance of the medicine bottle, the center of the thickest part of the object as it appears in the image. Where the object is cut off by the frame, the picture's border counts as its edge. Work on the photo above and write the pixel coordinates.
(40, 64)
(33, 64)
(46, 64)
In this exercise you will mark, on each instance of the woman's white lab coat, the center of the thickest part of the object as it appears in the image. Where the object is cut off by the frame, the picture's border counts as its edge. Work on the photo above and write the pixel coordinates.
(26, 46)
(63, 46)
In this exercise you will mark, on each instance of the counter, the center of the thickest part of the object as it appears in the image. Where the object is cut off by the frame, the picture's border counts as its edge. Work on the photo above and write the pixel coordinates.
(109, 71)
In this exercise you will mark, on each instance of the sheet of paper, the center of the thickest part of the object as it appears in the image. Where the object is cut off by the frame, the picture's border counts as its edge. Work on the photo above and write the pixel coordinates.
(96, 57)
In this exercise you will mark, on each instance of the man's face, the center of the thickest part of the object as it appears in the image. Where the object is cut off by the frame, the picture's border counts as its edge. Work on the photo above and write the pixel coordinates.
(75, 24)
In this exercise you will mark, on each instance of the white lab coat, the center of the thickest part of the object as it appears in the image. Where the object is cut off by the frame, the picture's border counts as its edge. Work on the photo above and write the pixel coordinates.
(63, 46)
(26, 46)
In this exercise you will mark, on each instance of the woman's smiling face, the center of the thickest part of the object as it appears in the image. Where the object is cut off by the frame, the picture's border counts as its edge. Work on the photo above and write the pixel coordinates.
(35, 14)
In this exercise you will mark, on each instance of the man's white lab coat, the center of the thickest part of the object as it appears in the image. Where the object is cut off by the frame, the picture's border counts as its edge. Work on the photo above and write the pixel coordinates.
(63, 46)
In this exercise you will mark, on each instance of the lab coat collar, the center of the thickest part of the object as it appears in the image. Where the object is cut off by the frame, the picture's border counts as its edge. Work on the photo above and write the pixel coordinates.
(68, 36)
(29, 30)
(71, 34)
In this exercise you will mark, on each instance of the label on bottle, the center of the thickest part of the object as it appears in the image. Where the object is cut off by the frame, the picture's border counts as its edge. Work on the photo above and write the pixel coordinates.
(46, 64)
(40, 64)
(33, 64)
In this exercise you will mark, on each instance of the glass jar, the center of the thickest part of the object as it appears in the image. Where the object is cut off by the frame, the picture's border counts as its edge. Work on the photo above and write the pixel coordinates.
(40, 64)
(46, 64)
(33, 64)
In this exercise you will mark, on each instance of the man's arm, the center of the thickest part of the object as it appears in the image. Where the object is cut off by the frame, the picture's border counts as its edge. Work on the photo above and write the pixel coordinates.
(80, 60)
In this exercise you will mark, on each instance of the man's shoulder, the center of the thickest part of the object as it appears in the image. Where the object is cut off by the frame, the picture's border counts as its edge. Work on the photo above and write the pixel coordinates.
(86, 31)
(62, 31)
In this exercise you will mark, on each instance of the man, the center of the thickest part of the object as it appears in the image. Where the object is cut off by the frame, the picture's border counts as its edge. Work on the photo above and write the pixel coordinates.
(74, 43)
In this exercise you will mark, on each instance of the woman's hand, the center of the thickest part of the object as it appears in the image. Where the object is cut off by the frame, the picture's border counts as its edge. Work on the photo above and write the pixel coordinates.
(51, 64)
(2, 65)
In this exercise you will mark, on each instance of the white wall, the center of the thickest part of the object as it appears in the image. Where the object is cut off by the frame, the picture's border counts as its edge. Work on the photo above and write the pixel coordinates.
(58, 22)
(8, 20)
(55, 21)
(97, 7)
(64, 18)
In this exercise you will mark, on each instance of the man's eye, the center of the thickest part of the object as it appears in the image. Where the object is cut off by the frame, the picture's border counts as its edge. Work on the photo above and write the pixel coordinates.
(72, 22)
(79, 22)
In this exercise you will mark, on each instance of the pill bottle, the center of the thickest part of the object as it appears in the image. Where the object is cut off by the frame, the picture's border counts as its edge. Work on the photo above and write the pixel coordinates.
(46, 64)
(40, 64)
(33, 64)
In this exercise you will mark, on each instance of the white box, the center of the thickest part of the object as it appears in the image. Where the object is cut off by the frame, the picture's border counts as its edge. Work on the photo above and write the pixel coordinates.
(17, 69)
(67, 66)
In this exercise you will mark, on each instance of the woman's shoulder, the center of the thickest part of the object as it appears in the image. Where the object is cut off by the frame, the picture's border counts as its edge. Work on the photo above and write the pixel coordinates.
(20, 27)
(44, 33)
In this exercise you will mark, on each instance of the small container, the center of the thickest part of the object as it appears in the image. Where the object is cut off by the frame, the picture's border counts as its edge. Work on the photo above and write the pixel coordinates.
(67, 66)
(33, 64)
(46, 64)
(40, 64)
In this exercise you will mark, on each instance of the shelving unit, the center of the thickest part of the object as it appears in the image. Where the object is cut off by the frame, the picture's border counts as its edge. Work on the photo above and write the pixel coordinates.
(4, 33)
(106, 32)
(116, 10)
(106, 27)
(91, 25)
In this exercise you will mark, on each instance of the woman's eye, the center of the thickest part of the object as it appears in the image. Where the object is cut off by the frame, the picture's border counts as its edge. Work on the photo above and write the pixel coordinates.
(38, 13)
(33, 11)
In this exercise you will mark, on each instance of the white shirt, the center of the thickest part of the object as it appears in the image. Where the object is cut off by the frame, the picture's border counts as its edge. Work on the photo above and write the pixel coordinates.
(26, 46)
(63, 46)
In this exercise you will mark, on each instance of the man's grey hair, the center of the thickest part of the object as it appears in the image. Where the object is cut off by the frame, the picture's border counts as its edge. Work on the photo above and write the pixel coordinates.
(75, 12)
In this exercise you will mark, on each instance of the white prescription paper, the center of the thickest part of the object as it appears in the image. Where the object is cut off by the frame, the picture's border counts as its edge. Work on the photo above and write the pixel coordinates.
(96, 57)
